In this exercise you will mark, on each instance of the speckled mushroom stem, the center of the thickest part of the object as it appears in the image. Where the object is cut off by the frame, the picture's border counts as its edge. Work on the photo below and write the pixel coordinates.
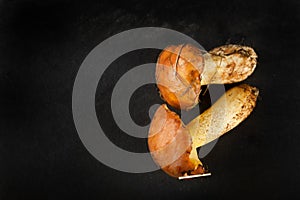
(228, 64)
(231, 109)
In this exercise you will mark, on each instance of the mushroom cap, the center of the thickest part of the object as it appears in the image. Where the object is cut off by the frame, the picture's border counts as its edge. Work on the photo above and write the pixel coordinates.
(170, 144)
(178, 75)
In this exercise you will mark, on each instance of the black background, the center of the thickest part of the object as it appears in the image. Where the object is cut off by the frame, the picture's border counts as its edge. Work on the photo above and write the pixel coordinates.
(42, 45)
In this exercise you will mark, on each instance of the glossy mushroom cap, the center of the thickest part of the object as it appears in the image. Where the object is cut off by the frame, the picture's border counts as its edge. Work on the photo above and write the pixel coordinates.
(178, 75)
(170, 144)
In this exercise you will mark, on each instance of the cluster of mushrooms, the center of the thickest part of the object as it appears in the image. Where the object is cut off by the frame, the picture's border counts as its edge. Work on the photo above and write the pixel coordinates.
(181, 71)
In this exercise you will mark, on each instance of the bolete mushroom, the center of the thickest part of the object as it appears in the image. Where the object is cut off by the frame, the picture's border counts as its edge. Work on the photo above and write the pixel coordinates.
(182, 70)
(173, 145)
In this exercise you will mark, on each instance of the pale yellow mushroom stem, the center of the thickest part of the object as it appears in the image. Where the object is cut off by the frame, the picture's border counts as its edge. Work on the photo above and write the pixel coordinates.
(230, 110)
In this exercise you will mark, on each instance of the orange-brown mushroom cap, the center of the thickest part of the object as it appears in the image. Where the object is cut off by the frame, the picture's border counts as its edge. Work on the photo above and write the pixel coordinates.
(178, 75)
(170, 144)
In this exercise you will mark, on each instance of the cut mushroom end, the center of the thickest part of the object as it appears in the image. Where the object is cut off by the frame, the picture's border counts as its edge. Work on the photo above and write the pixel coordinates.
(170, 145)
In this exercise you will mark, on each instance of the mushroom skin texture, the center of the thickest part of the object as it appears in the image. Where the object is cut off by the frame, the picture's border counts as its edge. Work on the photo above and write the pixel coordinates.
(170, 144)
(182, 70)
(178, 75)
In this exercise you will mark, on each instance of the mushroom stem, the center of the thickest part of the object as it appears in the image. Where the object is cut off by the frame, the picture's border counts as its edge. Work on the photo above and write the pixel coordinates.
(231, 109)
(228, 64)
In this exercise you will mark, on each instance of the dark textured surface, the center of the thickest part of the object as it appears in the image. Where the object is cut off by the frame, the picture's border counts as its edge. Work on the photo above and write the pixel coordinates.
(42, 44)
